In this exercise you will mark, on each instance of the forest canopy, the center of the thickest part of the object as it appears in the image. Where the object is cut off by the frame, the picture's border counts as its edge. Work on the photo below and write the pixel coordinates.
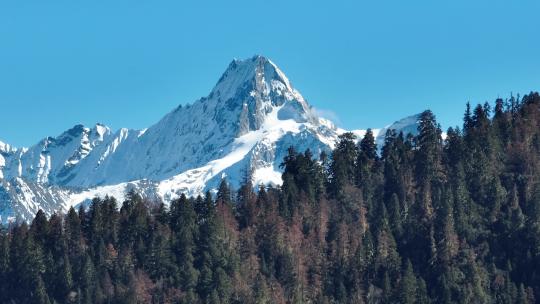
(422, 220)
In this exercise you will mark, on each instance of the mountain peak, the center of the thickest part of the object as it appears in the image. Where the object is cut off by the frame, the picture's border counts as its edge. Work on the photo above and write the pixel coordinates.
(248, 122)
(253, 61)
(257, 73)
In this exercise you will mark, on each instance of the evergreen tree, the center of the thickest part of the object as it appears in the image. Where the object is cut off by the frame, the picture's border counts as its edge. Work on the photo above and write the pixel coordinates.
(184, 228)
(428, 164)
(409, 289)
(342, 168)
(368, 147)
(421, 293)
(4, 267)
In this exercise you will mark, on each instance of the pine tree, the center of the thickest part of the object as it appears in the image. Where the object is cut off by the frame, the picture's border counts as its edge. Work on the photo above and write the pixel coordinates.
(395, 216)
(367, 165)
(428, 165)
(342, 168)
(4, 267)
(224, 194)
(501, 123)
(40, 228)
(368, 147)
(39, 293)
(184, 226)
(448, 242)
(246, 205)
(387, 288)
(159, 259)
(262, 294)
(211, 256)
(422, 293)
(467, 119)
(387, 257)
(522, 295)
(290, 189)
(409, 288)
(88, 282)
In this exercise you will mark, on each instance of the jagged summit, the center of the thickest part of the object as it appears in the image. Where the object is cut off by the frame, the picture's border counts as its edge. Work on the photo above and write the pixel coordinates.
(251, 89)
(257, 72)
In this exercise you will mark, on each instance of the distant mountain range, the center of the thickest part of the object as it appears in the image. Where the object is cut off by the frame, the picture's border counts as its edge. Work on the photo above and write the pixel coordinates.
(246, 124)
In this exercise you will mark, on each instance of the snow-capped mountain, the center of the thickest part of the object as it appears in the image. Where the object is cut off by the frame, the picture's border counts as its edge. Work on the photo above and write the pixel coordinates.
(245, 125)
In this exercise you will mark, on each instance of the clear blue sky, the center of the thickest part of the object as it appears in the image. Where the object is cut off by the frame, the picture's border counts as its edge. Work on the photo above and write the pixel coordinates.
(127, 63)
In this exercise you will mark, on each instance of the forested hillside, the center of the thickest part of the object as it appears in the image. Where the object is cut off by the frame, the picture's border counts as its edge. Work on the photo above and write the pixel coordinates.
(424, 220)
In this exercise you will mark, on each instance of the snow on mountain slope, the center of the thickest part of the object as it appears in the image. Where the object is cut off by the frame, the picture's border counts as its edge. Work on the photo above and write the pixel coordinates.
(407, 125)
(53, 159)
(191, 136)
(246, 124)
(21, 199)
(259, 151)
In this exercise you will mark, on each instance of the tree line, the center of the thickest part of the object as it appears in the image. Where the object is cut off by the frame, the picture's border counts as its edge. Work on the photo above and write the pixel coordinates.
(423, 220)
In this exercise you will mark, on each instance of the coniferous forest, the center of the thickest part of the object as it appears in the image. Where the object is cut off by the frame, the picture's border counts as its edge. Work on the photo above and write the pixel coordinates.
(423, 220)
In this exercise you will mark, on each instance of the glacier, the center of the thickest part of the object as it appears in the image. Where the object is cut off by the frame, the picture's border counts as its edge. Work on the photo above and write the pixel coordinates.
(244, 127)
